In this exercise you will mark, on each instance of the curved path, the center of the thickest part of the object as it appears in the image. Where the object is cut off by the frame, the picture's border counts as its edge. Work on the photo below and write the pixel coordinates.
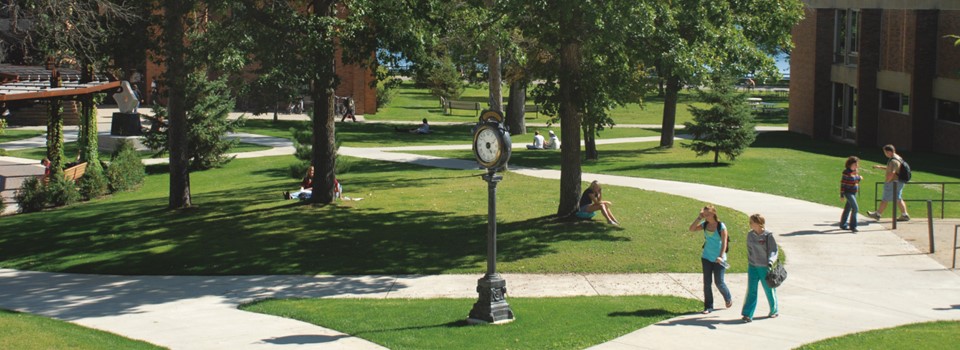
(839, 283)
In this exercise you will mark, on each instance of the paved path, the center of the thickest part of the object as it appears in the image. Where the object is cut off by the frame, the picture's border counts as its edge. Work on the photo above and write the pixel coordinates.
(839, 283)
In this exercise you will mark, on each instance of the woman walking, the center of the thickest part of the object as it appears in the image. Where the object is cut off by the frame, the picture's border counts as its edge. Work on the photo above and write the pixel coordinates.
(849, 186)
(714, 256)
(762, 253)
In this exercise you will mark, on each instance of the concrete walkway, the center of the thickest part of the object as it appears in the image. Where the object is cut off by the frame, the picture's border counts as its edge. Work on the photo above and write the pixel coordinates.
(839, 283)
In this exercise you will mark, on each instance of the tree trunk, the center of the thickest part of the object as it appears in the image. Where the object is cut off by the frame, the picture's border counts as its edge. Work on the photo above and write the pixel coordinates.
(175, 12)
(493, 70)
(669, 112)
(515, 114)
(55, 127)
(570, 118)
(88, 124)
(324, 157)
(716, 157)
(590, 143)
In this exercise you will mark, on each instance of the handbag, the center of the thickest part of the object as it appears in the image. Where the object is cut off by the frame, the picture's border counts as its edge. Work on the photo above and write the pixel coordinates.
(777, 275)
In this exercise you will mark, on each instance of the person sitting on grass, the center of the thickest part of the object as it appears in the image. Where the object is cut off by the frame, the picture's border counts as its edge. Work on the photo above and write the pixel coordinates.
(424, 128)
(306, 187)
(591, 201)
(553, 143)
(537, 141)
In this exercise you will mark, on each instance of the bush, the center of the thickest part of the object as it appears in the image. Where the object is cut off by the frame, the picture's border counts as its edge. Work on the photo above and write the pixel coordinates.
(31, 196)
(126, 171)
(61, 192)
(386, 91)
(93, 184)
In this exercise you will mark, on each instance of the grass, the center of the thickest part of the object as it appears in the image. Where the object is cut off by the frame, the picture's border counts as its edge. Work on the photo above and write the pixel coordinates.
(28, 332)
(413, 104)
(69, 148)
(545, 323)
(384, 135)
(927, 336)
(9, 135)
(412, 220)
(780, 163)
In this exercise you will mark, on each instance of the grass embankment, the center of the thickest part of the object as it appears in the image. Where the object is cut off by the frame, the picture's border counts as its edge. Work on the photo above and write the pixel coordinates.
(29, 332)
(928, 336)
(412, 220)
(413, 104)
(780, 163)
(546, 323)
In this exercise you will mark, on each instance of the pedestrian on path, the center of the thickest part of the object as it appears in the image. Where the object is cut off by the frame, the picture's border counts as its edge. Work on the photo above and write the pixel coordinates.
(591, 201)
(849, 186)
(761, 254)
(714, 256)
(894, 162)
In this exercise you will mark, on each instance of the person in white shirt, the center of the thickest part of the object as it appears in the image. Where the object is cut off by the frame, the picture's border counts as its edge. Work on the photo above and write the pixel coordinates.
(537, 141)
(554, 142)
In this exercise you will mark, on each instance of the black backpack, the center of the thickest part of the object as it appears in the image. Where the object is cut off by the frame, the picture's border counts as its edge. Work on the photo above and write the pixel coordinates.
(904, 174)
(719, 224)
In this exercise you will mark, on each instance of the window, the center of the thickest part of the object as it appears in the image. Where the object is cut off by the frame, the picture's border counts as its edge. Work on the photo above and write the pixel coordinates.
(844, 123)
(894, 101)
(948, 111)
(846, 37)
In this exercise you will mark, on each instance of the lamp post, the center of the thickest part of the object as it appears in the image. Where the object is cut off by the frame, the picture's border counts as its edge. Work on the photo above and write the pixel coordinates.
(492, 147)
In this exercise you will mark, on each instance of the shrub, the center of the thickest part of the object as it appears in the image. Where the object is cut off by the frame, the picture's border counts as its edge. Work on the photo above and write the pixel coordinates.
(31, 196)
(93, 184)
(386, 92)
(61, 192)
(126, 171)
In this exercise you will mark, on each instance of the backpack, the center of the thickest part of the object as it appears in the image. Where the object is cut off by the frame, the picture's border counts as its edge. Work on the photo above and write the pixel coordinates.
(904, 173)
(720, 224)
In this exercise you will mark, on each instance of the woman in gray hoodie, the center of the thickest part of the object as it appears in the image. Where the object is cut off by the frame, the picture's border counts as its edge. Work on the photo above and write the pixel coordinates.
(762, 253)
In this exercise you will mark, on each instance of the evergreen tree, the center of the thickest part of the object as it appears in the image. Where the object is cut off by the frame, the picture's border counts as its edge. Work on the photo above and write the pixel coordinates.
(726, 127)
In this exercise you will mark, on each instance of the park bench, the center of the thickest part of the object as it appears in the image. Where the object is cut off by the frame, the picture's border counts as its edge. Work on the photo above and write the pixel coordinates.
(75, 172)
(450, 105)
(527, 109)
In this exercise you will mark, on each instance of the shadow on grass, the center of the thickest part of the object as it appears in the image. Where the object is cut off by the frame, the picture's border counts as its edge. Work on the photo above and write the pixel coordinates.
(645, 313)
(305, 339)
(452, 324)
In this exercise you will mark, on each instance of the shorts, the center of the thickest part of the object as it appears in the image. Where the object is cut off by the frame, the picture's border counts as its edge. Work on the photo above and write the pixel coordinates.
(888, 191)
(584, 214)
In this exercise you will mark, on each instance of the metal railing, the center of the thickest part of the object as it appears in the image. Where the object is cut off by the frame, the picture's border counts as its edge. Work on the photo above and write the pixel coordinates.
(943, 200)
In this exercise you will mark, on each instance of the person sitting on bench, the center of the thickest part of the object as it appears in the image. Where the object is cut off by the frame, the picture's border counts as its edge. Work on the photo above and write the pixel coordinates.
(424, 128)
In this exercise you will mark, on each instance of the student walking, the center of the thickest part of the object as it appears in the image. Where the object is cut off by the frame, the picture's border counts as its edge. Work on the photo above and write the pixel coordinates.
(762, 253)
(849, 186)
(891, 181)
(714, 256)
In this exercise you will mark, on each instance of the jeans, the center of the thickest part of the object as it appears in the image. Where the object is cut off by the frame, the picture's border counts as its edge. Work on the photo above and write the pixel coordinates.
(758, 274)
(850, 210)
(713, 271)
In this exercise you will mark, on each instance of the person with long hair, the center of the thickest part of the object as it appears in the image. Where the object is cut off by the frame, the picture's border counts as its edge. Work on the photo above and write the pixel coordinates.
(592, 201)
(306, 187)
(762, 253)
(714, 256)
(849, 186)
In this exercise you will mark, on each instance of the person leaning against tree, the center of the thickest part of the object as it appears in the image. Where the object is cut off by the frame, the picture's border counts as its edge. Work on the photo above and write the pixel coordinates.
(761, 254)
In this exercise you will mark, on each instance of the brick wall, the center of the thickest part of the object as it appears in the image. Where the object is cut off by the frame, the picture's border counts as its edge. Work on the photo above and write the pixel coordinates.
(948, 55)
(802, 64)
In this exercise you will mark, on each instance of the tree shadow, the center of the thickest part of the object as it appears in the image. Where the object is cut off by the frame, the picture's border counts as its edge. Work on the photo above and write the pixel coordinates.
(304, 339)
(709, 322)
(644, 313)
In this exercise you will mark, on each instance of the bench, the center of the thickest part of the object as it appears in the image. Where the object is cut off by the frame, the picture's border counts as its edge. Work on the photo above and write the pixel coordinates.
(450, 105)
(75, 172)
(527, 109)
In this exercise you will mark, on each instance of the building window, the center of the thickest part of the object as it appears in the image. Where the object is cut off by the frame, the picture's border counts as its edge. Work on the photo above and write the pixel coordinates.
(844, 123)
(895, 101)
(948, 111)
(847, 37)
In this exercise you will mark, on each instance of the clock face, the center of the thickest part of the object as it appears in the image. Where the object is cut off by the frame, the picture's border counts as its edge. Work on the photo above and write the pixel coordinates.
(488, 145)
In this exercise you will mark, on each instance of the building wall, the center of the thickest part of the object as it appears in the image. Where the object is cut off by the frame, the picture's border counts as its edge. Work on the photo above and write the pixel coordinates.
(802, 82)
(948, 55)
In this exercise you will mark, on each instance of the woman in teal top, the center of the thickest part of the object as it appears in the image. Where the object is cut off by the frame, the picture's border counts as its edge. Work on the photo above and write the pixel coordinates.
(713, 259)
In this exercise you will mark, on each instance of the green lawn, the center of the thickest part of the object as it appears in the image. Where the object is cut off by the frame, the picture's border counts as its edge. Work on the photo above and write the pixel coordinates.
(412, 220)
(29, 332)
(384, 135)
(414, 104)
(545, 323)
(780, 163)
(10, 135)
(70, 148)
(928, 336)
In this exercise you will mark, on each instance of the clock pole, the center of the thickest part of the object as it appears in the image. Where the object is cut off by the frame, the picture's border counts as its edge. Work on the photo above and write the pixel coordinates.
(492, 305)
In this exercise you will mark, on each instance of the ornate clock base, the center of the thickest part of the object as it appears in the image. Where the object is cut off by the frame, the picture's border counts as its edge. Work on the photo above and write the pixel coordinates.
(492, 307)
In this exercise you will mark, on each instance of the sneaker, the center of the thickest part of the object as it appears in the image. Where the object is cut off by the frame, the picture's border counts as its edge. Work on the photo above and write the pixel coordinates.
(843, 227)
(854, 230)
(874, 215)
(904, 217)
(286, 195)
(729, 303)
(746, 319)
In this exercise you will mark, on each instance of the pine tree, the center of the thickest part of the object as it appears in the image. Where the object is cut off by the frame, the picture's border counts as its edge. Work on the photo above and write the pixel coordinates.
(726, 127)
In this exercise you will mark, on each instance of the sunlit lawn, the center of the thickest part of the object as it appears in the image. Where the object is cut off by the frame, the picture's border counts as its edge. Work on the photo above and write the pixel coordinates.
(28, 332)
(545, 323)
(412, 220)
(928, 336)
(414, 104)
(70, 150)
(10, 135)
(780, 163)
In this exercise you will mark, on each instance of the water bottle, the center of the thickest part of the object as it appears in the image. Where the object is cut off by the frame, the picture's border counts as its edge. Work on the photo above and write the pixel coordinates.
(725, 264)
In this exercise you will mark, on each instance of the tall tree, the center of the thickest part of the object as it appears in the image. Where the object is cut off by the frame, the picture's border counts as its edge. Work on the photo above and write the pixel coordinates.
(173, 49)
(582, 48)
(727, 126)
(694, 37)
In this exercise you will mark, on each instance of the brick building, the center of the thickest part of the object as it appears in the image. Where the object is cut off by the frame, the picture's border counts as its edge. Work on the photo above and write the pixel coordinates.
(873, 72)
